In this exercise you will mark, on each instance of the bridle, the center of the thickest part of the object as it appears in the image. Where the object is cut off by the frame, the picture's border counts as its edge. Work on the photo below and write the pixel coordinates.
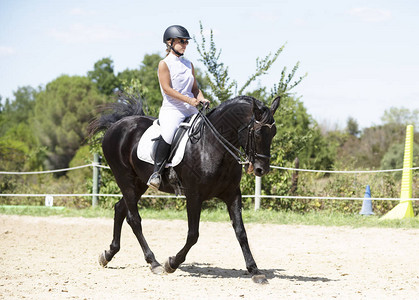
(250, 147)
(249, 154)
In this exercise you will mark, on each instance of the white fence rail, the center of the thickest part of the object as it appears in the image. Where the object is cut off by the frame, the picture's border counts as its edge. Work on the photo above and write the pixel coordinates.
(347, 172)
(257, 195)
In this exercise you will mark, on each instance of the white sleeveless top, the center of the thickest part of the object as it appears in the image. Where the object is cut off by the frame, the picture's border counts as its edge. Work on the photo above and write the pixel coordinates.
(182, 81)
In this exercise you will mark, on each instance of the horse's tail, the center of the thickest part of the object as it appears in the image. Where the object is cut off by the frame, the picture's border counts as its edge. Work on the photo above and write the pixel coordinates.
(125, 106)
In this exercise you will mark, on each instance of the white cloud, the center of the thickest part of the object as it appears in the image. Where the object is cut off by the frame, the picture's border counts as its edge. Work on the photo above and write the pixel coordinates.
(371, 14)
(6, 51)
(80, 33)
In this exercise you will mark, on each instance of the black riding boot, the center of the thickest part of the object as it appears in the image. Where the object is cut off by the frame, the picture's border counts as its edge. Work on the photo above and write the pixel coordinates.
(161, 154)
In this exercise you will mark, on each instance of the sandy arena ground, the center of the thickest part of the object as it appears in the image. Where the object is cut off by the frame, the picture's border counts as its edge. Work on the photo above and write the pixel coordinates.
(56, 258)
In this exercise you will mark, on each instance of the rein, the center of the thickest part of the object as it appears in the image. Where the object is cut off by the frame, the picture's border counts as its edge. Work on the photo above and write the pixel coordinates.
(250, 148)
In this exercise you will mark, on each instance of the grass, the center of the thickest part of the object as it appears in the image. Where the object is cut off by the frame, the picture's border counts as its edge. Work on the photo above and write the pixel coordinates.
(221, 215)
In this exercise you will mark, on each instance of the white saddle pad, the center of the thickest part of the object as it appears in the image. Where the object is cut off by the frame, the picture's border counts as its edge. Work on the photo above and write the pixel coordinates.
(145, 145)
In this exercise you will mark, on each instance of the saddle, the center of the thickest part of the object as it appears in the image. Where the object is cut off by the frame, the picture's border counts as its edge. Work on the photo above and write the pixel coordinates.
(188, 129)
(145, 151)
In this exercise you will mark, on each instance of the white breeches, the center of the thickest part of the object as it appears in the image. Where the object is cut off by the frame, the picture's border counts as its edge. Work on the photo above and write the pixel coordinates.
(169, 120)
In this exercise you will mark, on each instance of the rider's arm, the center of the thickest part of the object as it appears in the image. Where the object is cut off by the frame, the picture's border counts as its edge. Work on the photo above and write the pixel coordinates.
(195, 90)
(166, 84)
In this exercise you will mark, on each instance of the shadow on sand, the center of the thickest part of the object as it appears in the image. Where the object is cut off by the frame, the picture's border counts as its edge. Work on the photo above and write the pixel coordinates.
(208, 271)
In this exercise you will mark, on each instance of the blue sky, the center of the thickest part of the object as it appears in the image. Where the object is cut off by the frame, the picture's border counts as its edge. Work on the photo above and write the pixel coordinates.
(362, 57)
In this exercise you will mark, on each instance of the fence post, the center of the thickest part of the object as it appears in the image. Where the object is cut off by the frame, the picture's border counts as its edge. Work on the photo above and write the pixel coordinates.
(95, 180)
(258, 185)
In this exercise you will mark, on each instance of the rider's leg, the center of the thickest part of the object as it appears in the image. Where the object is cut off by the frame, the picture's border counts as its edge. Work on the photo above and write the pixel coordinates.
(161, 154)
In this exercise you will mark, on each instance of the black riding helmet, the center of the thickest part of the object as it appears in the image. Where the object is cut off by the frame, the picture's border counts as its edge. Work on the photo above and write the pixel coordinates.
(175, 31)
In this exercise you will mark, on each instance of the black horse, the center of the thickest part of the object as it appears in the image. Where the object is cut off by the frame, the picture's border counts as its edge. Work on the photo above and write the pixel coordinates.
(210, 168)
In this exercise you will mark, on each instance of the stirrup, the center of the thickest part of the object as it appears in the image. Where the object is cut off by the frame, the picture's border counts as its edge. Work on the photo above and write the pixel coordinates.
(154, 180)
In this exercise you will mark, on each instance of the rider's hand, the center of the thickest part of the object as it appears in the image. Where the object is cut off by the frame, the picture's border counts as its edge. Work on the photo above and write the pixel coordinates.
(193, 101)
(205, 103)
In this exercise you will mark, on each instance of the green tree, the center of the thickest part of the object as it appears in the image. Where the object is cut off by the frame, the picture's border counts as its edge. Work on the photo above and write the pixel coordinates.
(393, 158)
(19, 149)
(220, 84)
(223, 87)
(2, 115)
(103, 76)
(368, 150)
(149, 78)
(19, 109)
(402, 116)
(145, 81)
(126, 77)
(352, 127)
(62, 113)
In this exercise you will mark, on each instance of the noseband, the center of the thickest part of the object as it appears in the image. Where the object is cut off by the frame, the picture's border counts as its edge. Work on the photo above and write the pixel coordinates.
(250, 147)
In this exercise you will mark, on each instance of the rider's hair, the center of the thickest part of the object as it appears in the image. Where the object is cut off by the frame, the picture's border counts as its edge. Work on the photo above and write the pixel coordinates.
(168, 48)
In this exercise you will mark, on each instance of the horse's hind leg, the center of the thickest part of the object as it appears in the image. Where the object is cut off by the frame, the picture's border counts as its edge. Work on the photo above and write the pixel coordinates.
(234, 209)
(120, 214)
(134, 220)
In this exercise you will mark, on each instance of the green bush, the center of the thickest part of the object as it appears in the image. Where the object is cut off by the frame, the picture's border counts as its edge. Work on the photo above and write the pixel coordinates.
(382, 185)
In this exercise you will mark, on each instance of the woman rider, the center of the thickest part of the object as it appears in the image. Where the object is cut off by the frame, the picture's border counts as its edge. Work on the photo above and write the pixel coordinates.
(180, 94)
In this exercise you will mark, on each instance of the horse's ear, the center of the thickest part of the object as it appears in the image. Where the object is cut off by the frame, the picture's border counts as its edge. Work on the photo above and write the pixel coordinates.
(275, 104)
(256, 110)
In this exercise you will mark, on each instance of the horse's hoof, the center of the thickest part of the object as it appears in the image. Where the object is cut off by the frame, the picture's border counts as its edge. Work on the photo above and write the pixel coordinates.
(260, 279)
(158, 270)
(102, 260)
(167, 266)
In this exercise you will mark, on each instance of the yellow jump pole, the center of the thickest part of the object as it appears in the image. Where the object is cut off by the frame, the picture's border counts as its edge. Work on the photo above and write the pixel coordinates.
(405, 208)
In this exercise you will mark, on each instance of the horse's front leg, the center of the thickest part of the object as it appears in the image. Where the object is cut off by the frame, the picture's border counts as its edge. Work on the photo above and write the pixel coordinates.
(194, 213)
(234, 206)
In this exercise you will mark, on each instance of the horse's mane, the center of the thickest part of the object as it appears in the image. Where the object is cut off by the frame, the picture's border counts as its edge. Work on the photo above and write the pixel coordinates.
(236, 101)
(265, 117)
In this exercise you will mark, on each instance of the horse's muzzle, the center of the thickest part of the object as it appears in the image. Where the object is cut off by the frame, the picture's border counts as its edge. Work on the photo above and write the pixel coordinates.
(257, 169)
(261, 171)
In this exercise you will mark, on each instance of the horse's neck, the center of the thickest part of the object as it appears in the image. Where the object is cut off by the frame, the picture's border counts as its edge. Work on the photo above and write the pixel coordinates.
(230, 119)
